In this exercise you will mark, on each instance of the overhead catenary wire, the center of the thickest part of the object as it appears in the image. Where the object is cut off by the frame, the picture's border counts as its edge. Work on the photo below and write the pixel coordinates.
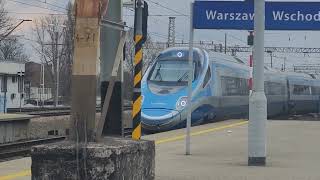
(38, 13)
(158, 19)
(168, 8)
(159, 15)
(50, 4)
(33, 5)
(181, 14)
(184, 15)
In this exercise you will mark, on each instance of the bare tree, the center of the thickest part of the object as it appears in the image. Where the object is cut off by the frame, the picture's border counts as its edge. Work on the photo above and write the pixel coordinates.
(68, 48)
(5, 22)
(149, 54)
(12, 50)
(54, 44)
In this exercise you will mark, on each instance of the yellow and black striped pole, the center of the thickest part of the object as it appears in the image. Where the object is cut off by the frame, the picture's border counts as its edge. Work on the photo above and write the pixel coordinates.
(137, 98)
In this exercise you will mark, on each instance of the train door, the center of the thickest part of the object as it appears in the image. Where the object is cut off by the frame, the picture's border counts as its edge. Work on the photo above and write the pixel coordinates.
(289, 104)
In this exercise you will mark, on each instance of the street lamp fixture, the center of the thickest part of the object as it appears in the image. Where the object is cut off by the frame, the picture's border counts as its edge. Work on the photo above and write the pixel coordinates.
(23, 20)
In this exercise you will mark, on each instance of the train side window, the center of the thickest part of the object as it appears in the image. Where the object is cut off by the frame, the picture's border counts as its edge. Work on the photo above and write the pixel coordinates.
(207, 77)
(315, 90)
(274, 88)
(232, 86)
(301, 90)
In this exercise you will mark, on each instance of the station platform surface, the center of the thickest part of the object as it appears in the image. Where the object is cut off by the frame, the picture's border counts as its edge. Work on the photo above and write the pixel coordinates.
(219, 152)
(14, 117)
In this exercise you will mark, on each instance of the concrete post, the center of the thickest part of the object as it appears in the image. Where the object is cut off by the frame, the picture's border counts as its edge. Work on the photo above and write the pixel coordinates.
(258, 100)
(87, 36)
(109, 42)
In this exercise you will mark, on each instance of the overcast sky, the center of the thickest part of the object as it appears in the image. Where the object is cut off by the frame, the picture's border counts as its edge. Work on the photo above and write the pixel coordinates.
(158, 26)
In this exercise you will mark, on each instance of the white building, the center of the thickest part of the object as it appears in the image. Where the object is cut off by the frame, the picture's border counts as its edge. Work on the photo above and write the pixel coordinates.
(11, 84)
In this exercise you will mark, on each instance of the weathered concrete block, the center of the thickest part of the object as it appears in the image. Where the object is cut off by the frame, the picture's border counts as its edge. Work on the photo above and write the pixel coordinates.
(113, 159)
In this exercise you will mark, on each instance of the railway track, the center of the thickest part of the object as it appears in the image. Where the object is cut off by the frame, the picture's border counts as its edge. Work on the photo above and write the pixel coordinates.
(23, 148)
(46, 112)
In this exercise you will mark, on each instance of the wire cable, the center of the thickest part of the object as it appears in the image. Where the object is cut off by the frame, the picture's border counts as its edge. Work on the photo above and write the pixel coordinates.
(168, 8)
(39, 13)
(32, 5)
(50, 4)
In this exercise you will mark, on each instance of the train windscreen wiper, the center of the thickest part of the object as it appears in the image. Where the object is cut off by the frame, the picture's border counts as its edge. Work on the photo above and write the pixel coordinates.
(183, 76)
(158, 73)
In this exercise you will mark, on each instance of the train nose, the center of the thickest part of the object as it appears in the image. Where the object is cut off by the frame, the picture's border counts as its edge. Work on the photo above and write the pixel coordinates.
(159, 119)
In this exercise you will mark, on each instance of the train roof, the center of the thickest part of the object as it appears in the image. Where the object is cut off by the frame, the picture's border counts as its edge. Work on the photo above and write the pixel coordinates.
(220, 57)
(228, 59)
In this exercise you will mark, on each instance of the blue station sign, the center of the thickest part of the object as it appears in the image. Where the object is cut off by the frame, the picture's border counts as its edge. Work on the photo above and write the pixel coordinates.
(240, 15)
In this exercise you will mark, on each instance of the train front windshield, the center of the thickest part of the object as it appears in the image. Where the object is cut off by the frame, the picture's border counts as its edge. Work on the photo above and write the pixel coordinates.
(170, 71)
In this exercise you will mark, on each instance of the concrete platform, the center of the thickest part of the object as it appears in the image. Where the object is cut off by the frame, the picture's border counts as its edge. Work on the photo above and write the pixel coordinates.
(13, 127)
(14, 117)
(219, 152)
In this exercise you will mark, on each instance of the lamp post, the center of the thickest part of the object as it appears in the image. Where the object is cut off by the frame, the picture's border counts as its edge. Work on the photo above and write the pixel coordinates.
(23, 20)
(57, 59)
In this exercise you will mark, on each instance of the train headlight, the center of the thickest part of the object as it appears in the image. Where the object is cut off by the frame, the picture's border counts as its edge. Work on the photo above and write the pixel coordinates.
(182, 103)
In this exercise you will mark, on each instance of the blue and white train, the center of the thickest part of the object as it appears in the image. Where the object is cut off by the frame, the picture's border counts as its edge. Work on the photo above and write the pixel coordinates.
(220, 90)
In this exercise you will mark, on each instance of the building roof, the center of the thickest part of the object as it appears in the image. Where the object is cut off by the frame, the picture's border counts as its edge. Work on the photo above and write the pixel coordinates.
(11, 67)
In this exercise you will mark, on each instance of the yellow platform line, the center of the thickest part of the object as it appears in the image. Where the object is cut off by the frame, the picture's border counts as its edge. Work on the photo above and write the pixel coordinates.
(16, 175)
(197, 133)
(161, 141)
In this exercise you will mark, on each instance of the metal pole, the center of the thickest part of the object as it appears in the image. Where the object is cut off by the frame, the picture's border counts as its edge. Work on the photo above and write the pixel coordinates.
(20, 102)
(40, 82)
(5, 36)
(5, 88)
(42, 66)
(190, 78)
(225, 43)
(258, 100)
(57, 59)
(136, 111)
(5, 102)
(271, 59)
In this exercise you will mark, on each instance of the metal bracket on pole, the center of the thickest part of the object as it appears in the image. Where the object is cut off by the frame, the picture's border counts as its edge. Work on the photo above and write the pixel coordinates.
(113, 25)
(100, 122)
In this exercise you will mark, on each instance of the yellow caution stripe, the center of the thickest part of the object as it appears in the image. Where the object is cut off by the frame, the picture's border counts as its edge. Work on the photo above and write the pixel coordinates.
(137, 98)
(197, 133)
(16, 175)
